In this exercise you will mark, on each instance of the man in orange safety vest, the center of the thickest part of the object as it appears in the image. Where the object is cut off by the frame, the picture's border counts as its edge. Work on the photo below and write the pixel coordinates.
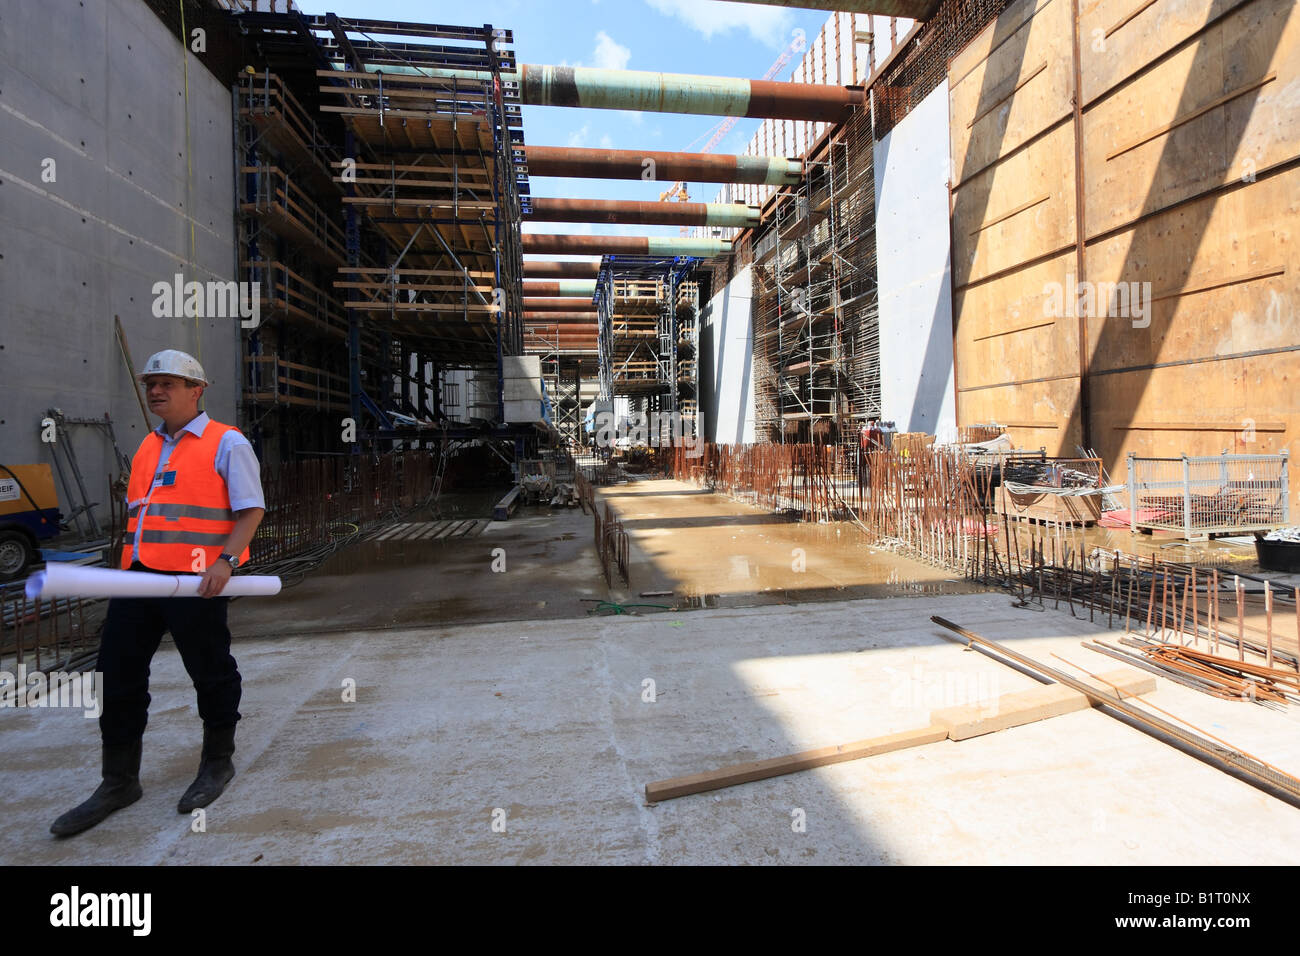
(194, 501)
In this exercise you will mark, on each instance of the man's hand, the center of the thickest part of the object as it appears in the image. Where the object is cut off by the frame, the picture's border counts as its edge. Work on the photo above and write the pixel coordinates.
(214, 579)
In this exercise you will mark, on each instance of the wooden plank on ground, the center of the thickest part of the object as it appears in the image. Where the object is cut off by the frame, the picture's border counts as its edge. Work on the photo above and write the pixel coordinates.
(791, 763)
(955, 723)
(1037, 703)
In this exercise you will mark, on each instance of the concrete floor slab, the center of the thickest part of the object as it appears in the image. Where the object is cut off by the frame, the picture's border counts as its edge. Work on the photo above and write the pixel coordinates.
(545, 727)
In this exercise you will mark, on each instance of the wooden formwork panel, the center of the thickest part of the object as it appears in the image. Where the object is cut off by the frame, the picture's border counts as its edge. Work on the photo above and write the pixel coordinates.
(1244, 406)
(1020, 89)
(1224, 275)
(1007, 24)
(1019, 209)
(1013, 327)
(1039, 414)
(1220, 109)
(1119, 37)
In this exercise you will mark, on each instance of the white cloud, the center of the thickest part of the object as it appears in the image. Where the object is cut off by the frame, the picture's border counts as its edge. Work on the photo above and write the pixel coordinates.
(768, 25)
(609, 55)
(579, 137)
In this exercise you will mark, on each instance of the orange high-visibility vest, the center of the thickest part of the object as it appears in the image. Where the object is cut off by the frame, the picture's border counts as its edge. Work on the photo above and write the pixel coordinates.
(188, 518)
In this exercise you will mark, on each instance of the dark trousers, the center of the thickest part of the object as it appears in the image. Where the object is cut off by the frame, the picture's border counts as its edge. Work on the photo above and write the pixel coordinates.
(133, 630)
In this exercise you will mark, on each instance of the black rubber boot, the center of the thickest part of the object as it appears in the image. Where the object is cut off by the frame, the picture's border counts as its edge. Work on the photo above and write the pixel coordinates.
(215, 768)
(120, 788)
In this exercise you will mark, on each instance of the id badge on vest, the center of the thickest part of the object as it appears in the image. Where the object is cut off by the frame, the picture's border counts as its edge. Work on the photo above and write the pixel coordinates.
(164, 479)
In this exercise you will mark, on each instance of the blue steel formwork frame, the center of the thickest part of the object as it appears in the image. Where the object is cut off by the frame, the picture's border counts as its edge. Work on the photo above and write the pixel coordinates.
(509, 182)
(673, 271)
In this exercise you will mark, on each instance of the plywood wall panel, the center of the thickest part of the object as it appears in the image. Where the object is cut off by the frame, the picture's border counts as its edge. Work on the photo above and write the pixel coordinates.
(1007, 24)
(1011, 328)
(1119, 37)
(1021, 89)
(1262, 128)
(1217, 110)
(1223, 272)
(1131, 169)
(1243, 406)
(1043, 417)
(1016, 210)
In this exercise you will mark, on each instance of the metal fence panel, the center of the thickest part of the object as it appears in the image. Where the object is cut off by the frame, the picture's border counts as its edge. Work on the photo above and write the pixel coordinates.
(1215, 494)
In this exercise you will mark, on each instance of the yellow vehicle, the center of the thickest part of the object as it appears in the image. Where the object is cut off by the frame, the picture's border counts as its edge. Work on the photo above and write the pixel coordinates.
(29, 514)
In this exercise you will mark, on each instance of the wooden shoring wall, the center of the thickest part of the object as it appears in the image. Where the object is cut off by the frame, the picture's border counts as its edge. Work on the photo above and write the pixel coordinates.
(1166, 189)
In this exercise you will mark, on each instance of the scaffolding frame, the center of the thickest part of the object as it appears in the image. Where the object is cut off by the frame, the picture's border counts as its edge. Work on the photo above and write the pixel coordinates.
(816, 324)
(380, 210)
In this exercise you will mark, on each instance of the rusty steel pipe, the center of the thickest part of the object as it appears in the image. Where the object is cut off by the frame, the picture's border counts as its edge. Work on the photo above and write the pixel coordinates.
(540, 269)
(563, 287)
(559, 304)
(735, 215)
(662, 165)
(592, 88)
(547, 243)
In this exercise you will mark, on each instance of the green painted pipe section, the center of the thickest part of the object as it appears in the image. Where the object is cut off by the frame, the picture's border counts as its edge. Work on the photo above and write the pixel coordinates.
(775, 170)
(653, 92)
(730, 214)
(700, 248)
(575, 287)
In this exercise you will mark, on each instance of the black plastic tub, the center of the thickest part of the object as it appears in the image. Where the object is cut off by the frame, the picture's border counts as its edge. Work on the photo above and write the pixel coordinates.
(1278, 555)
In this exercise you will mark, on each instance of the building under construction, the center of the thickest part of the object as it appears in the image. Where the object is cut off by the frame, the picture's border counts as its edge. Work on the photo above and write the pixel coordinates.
(995, 308)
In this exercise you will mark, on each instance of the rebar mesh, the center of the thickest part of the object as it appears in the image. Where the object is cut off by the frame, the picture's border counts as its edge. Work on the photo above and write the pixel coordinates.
(922, 65)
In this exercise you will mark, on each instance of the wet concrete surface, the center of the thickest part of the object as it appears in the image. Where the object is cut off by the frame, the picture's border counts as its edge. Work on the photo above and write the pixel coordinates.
(540, 564)
(708, 550)
(712, 551)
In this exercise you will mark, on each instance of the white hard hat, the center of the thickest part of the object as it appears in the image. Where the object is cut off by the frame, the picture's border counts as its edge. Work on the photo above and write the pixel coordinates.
(174, 362)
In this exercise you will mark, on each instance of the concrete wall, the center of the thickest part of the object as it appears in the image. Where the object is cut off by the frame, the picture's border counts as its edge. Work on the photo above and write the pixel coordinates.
(99, 89)
(913, 265)
(726, 360)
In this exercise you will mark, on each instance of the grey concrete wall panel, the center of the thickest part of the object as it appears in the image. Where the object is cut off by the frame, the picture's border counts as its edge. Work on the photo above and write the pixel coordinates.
(100, 89)
(913, 267)
(726, 366)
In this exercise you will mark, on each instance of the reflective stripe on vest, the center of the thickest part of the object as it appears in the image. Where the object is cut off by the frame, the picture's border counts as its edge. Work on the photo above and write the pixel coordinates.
(187, 519)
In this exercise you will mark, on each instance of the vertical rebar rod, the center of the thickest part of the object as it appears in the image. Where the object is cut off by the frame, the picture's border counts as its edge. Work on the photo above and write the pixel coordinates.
(1241, 617)
(1268, 617)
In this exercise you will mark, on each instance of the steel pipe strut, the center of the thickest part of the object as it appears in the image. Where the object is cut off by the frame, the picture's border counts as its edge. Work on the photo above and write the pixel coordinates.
(592, 88)
(666, 166)
(560, 304)
(537, 269)
(538, 242)
(560, 287)
(737, 215)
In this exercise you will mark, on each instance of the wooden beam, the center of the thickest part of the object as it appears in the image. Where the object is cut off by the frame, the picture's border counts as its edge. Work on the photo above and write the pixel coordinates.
(1037, 703)
(791, 763)
(955, 723)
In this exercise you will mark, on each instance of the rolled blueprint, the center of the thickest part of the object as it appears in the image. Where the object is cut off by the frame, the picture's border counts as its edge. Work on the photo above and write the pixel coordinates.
(64, 580)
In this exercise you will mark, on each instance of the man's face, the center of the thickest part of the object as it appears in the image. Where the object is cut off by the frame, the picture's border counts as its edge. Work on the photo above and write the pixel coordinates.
(172, 397)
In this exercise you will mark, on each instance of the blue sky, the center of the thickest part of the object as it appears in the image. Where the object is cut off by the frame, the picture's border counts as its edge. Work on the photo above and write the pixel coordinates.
(676, 36)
